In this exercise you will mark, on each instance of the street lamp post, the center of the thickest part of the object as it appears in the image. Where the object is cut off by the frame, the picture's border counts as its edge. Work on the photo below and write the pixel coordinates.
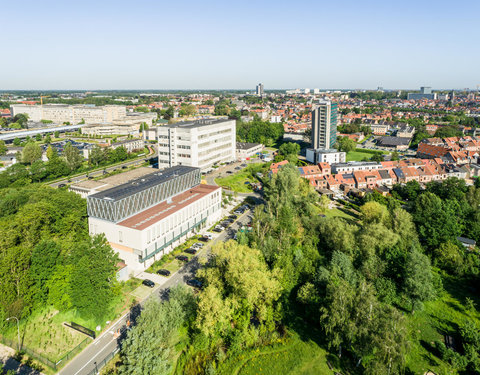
(18, 329)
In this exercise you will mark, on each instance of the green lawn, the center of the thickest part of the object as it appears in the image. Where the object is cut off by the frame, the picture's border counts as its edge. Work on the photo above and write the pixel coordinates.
(436, 319)
(338, 213)
(293, 357)
(45, 333)
(358, 155)
(236, 182)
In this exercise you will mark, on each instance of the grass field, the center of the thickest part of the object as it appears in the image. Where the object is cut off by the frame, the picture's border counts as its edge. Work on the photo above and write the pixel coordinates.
(236, 182)
(358, 155)
(335, 212)
(438, 318)
(294, 356)
(45, 333)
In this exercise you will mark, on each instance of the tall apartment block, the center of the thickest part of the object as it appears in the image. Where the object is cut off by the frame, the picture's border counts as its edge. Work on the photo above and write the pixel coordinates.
(259, 89)
(198, 144)
(324, 125)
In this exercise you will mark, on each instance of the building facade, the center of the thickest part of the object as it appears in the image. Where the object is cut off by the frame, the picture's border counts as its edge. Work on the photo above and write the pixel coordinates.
(201, 143)
(324, 126)
(246, 150)
(74, 114)
(425, 93)
(325, 156)
(259, 89)
(147, 217)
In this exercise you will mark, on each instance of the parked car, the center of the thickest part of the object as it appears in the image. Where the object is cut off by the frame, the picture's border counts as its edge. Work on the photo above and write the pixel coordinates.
(124, 167)
(61, 185)
(191, 250)
(148, 283)
(233, 217)
(244, 165)
(238, 168)
(194, 283)
(198, 245)
(163, 272)
(229, 172)
(206, 237)
(218, 228)
(238, 212)
(182, 258)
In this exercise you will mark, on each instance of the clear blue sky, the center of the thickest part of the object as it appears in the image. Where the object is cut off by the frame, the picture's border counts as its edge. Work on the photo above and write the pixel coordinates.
(208, 44)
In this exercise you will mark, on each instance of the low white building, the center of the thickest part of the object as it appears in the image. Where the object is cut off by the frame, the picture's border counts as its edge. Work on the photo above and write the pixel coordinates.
(130, 144)
(246, 150)
(353, 166)
(147, 217)
(331, 156)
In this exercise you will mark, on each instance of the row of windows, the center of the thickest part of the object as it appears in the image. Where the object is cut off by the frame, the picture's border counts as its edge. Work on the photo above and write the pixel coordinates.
(184, 147)
(229, 130)
(215, 157)
(184, 156)
(163, 145)
(210, 150)
(220, 140)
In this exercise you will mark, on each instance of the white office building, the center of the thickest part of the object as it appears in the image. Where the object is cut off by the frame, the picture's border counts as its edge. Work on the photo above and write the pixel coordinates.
(74, 114)
(149, 216)
(201, 143)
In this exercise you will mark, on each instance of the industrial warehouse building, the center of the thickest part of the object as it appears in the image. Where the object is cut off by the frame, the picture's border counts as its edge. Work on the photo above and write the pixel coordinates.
(146, 218)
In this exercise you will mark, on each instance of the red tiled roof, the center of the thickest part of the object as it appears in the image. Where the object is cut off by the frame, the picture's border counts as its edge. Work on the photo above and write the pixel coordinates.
(160, 211)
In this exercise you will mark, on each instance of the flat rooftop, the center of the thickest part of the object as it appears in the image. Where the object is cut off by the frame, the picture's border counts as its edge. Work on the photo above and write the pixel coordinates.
(246, 145)
(160, 211)
(140, 184)
(196, 124)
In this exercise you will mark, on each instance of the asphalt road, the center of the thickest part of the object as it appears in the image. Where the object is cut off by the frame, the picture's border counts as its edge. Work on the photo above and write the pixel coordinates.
(86, 362)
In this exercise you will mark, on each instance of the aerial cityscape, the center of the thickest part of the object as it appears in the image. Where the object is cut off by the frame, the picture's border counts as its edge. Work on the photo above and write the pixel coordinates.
(181, 193)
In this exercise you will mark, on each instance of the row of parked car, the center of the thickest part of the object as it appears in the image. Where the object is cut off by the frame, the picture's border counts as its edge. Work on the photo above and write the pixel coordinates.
(198, 245)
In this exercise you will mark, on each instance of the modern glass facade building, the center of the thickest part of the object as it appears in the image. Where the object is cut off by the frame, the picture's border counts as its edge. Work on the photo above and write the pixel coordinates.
(324, 126)
(126, 200)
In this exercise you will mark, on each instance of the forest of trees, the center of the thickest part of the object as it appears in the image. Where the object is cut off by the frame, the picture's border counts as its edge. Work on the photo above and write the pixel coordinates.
(47, 257)
(357, 282)
(258, 131)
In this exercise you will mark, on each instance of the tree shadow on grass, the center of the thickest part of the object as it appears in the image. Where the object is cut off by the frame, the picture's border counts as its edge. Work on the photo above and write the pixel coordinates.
(432, 350)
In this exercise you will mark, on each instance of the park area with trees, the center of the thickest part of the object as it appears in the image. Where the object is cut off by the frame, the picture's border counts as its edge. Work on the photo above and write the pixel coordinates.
(387, 292)
(51, 270)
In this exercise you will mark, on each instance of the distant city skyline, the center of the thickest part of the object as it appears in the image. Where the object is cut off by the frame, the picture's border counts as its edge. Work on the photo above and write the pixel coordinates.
(148, 45)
